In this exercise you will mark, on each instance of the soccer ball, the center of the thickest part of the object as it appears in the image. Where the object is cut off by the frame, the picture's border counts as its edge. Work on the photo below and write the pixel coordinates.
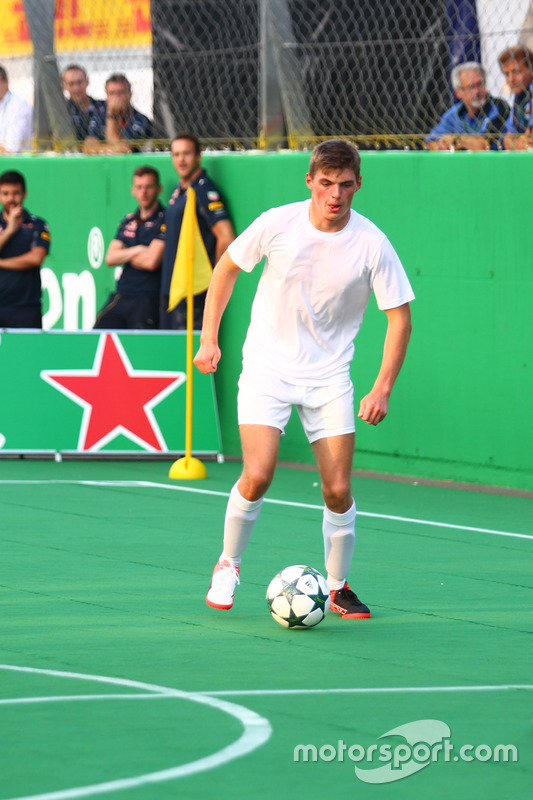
(298, 597)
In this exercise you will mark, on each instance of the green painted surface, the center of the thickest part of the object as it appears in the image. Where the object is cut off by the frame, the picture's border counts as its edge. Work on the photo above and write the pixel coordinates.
(105, 567)
(460, 222)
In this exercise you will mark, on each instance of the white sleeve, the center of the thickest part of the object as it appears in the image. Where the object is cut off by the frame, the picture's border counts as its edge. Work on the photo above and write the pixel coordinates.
(248, 248)
(389, 282)
(20, 129)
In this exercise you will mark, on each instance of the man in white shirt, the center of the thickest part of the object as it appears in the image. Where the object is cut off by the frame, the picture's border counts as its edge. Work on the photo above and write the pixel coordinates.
(16, 119)
(323, 260)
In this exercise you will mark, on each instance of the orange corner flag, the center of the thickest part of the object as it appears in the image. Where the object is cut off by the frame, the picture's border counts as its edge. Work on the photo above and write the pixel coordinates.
(191, 257)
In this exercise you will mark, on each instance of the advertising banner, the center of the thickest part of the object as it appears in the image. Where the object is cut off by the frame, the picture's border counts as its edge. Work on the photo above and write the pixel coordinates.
(80, 25)
(101, 392)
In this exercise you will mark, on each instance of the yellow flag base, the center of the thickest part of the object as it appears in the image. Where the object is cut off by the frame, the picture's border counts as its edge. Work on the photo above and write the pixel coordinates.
(187, 468)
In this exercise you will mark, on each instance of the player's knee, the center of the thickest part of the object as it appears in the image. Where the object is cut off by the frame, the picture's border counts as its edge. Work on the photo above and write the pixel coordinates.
(338, 495)
(255, 483)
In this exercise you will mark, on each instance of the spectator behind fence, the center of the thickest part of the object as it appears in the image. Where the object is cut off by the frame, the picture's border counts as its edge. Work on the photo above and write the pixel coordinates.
(24, 244)
(213, 220)
(81, 106)
(113, 128)
(477, 121)
(16, 119)
(138, 247)
(516, 63)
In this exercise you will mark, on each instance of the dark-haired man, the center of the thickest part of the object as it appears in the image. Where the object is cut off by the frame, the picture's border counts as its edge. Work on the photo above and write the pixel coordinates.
(115, 128)
(214, 222)
(138, 248)
(24, 244)
(323, 260)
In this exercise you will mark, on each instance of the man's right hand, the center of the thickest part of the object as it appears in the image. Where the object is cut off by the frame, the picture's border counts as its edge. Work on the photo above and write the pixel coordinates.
(207, 358)
(14, 219)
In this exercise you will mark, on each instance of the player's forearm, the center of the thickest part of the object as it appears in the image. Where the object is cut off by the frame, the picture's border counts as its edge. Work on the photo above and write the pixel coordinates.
(218, 296)
(374, 406)
(394, 350)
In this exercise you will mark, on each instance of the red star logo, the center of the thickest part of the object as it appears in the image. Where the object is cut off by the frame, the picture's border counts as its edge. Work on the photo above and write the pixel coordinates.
(116, 398)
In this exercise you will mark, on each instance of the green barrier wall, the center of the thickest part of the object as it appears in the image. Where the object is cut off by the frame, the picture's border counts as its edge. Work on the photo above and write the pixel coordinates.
(460, 222)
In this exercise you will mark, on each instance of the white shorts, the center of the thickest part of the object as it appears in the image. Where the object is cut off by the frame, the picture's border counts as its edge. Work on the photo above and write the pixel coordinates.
(324, 411)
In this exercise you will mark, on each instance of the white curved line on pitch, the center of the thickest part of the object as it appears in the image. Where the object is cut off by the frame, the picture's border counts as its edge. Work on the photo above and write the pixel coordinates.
(256, 732)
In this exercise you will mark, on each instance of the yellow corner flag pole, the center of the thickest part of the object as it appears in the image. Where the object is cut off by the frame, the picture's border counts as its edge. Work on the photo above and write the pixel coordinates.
(191, 275)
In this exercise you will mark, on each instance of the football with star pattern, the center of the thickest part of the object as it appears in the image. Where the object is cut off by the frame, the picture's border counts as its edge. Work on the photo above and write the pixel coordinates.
(298, 597)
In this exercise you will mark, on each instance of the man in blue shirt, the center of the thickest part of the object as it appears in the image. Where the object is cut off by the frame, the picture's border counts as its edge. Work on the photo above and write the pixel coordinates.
(477, 121)
(213, 220)
(516, 63)
(81, 107)
(119, 123)
(138, 248)
(24, 244)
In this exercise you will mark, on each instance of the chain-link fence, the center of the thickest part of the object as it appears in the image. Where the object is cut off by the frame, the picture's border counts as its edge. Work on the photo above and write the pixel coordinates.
(294, 71)
(255, 73)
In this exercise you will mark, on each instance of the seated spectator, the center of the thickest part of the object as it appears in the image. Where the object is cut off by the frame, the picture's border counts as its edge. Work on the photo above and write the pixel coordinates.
(16, 119)
(477, 121)
(138, 247)
(24, 244)
(81, 106)
(516, 63)
(119, 123)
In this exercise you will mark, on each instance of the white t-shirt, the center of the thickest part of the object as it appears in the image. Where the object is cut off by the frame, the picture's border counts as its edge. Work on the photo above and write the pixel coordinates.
(314, 291)
(16, 123)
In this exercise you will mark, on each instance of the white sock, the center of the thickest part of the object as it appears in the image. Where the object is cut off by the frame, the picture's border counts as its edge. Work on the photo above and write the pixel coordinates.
(339, 542)
(241, 516)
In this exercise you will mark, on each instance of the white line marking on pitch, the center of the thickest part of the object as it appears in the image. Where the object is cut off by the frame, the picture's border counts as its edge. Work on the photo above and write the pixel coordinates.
(71, 698)
(369, 690)
(256, 732)
(293, 504)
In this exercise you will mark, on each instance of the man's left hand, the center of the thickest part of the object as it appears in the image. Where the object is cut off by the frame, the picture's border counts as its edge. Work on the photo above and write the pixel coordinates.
(373, 408)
